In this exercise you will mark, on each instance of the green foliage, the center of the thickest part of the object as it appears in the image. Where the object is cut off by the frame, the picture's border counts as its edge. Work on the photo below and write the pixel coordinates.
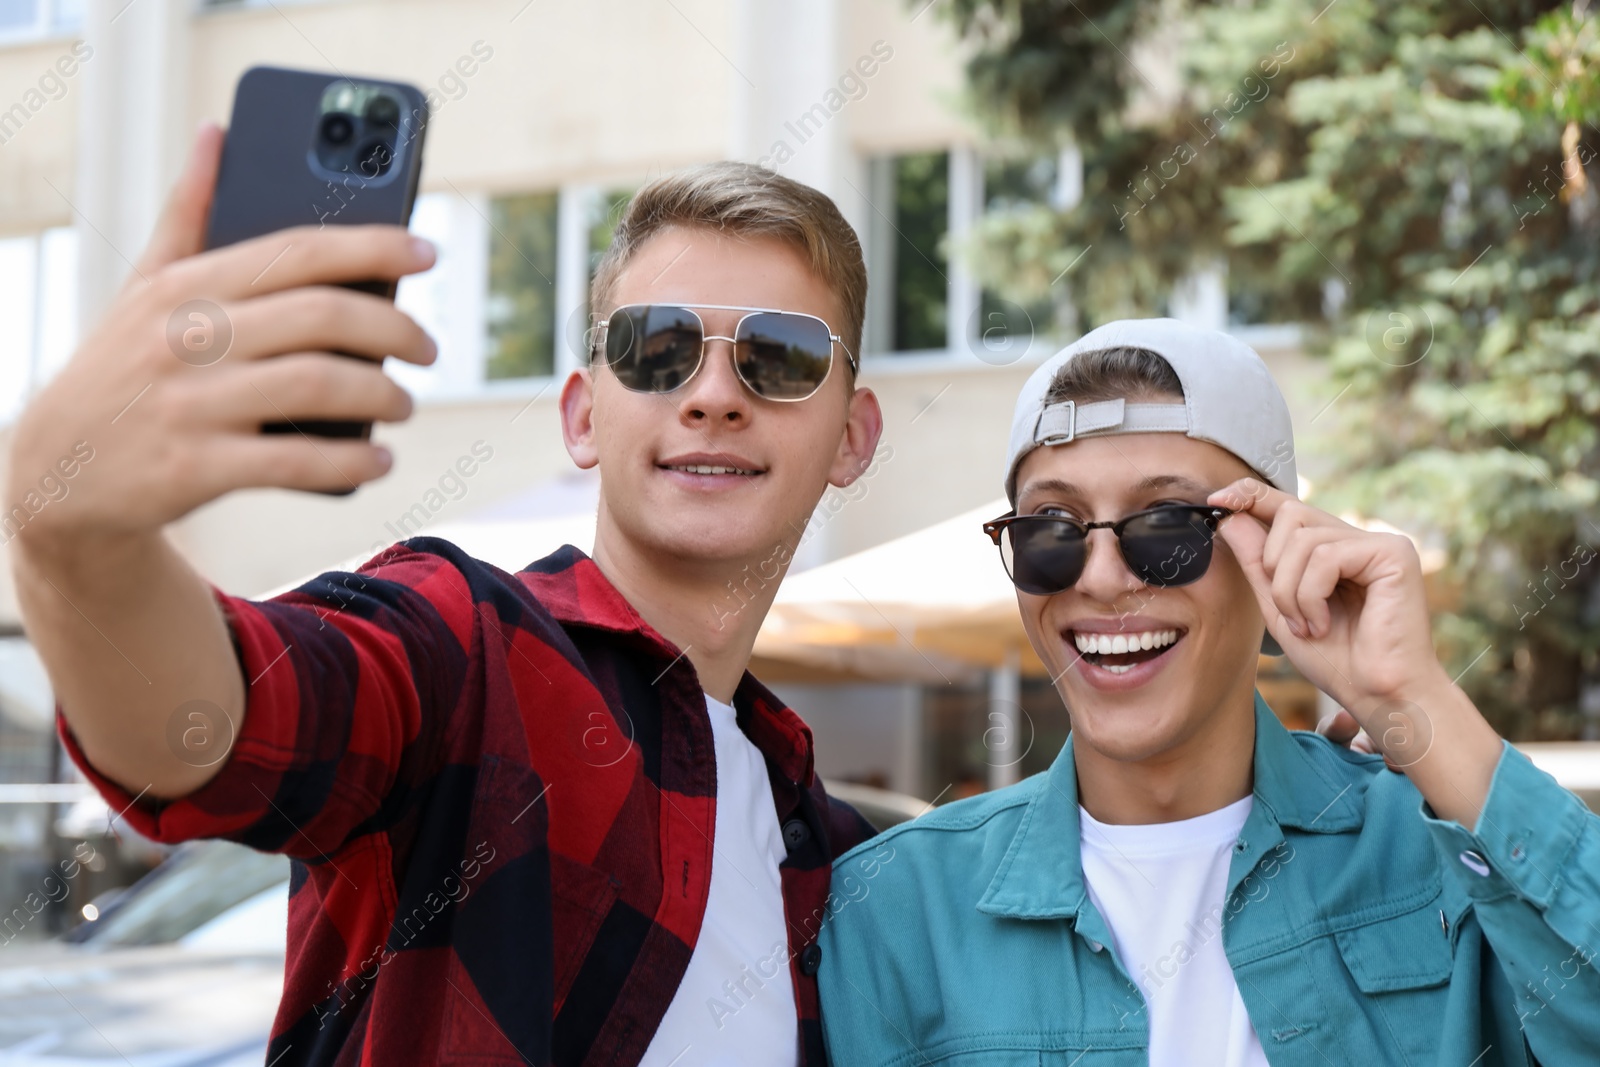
(1550, 81)
(921, 206)
(522, 298)
(1408, 179)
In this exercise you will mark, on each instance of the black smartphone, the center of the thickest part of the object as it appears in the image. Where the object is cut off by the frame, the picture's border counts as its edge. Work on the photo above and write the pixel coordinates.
(310, 147)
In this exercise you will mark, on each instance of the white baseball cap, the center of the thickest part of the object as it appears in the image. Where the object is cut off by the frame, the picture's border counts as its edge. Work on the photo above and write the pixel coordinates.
(1229, 399)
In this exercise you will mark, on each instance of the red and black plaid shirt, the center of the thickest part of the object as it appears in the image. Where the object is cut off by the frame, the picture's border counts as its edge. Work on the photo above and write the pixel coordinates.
(499, 792)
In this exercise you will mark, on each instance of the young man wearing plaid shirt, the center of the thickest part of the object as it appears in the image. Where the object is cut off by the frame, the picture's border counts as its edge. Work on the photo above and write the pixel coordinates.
(543, 817)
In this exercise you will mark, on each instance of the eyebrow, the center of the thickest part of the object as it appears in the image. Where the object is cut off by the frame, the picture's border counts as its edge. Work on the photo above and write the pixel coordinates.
(1159, 481)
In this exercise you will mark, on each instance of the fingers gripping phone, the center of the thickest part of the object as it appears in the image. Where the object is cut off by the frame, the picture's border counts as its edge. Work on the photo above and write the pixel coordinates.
(308, 147)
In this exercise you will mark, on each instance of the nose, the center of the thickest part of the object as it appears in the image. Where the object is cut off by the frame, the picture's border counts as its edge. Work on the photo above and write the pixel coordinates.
(1106, 575)
(715, 395)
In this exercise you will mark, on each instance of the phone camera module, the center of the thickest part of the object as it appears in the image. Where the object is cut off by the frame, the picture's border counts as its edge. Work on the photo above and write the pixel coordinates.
(374, 158)
(338, 128)
(383, 111)
(360, 135)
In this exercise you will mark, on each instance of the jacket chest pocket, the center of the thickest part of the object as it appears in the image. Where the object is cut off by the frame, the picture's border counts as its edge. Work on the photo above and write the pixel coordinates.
(1401, 966)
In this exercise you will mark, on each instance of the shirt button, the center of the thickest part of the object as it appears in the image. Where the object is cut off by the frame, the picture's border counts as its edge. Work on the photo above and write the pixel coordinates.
(1095, 946)
(796, 833)
(811, 959)
(1474, 863)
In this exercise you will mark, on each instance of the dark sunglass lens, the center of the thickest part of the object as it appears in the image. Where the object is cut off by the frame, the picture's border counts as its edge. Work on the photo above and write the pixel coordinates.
(1169, 546)
(653, 348)
(1043, 556)
(783, 357)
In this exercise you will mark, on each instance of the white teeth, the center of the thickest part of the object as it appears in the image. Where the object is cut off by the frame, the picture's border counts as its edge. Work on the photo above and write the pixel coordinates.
(1112, 644)
(1117, 670)
(701, 468)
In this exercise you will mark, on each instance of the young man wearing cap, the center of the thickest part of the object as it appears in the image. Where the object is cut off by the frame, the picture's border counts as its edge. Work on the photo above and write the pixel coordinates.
(546, 817)
(1190, 883)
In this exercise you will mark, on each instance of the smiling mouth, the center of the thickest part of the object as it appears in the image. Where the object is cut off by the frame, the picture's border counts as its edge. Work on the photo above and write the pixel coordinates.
(704, 468)
(1119, 653)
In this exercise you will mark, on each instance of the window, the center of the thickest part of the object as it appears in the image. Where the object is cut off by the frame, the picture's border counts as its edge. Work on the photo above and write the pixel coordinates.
(1021, 184)
(910, 218)
(605, 211)
(522, 290)
(924, 206)
(22, 19)
(38, 313)
(543, 252)
(597, 211)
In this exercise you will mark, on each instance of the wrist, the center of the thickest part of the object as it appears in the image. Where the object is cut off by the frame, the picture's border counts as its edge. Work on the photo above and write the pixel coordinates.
(1447, 748)
(67, 556)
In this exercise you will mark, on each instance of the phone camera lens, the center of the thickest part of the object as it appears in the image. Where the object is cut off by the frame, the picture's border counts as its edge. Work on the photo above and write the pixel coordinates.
(383, 111)
(338, 127)
(374, 158)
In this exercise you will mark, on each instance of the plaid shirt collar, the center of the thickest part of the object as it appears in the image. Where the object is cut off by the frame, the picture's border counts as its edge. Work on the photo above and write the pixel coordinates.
(577, 593)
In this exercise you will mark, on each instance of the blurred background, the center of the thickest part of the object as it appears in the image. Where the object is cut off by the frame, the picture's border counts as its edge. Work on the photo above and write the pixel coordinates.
(1393, 202)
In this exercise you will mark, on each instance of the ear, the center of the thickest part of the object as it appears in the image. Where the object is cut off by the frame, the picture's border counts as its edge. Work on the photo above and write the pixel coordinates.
(859, 443)
(577, 418)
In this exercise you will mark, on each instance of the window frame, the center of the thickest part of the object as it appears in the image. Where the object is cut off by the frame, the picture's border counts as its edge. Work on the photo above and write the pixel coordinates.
(963, 293)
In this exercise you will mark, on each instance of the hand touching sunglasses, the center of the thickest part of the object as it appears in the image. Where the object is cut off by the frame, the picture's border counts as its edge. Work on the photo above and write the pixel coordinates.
(779, 355)
(1168, 545)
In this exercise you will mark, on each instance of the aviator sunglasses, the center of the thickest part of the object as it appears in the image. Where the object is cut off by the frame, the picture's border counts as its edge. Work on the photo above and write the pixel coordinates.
(779, 355)
(1167, 545)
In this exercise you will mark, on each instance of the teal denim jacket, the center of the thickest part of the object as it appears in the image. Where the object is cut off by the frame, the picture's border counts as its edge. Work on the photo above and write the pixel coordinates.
(1361, 930)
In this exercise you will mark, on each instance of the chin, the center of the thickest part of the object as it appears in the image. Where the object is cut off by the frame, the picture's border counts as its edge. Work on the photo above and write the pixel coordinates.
(695, 541)
(1128, 734)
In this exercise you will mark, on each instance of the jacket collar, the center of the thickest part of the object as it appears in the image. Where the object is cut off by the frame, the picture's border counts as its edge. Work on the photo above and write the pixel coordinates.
(1041, 874)
(577, 593)
(1295, 786)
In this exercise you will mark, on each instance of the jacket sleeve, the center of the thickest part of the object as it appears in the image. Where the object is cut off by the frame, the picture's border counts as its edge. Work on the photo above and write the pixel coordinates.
(351, 680)
(1532, 869)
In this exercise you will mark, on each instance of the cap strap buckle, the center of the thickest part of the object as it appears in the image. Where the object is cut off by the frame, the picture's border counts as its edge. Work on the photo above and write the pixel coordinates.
(1062, 422)
(1057, 423)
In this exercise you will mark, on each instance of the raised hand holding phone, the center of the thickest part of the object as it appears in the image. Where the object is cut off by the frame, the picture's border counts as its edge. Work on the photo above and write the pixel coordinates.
(172, 432)
(308, 145)
(127, 629)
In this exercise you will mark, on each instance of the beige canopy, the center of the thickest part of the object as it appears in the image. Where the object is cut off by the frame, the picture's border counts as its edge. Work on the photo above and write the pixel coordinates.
(929, 606)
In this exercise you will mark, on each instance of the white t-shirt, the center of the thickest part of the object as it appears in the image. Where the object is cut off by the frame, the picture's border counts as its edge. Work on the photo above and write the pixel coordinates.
(1161, 888)
(735, 1005)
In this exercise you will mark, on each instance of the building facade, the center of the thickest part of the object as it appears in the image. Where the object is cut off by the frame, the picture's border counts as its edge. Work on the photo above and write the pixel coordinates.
(545, 116)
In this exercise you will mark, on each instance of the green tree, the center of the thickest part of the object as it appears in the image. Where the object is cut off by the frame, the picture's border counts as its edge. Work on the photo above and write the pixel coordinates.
(522, 303)
(1409, 180)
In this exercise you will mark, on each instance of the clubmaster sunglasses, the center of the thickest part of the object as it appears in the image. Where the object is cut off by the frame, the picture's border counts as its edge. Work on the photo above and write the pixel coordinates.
(1166, 546)
(779, 355)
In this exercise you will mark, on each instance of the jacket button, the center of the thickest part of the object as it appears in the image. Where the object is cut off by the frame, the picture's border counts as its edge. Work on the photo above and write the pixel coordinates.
(811, 959)
(796, 833)
(1474, 863)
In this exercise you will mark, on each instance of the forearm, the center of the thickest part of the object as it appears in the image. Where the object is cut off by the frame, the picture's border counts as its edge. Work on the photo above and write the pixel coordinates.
(1451, 751)
(139, 654)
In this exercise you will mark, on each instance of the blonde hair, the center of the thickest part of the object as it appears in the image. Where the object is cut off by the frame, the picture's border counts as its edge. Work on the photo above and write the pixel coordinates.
(745, 200)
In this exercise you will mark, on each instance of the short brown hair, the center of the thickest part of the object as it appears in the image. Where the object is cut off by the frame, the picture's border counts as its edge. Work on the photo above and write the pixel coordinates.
(745, 200)
(1135, 374)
